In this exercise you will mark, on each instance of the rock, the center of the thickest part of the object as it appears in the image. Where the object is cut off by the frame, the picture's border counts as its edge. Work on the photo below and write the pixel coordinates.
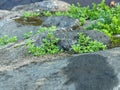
(66, 39)
(62, 22)
(71, 73)
(69, 38)
(48, 5)
(12, 28)
(22, 71)
(97, 35)
(54, 5)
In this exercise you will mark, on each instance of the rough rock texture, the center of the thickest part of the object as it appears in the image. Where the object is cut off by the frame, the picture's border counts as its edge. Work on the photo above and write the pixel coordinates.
(71, 73)
(22, 71)
(62, 22)
(50, 5)
(11, 28)
(67, 39)
(96, 35)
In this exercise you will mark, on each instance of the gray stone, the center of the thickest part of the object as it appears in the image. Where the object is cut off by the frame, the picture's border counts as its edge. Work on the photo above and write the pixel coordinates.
(71, 73)
(12, 28)
(69, 38)
(47, 5)
(21, 71)
(62, 22)
(97, 35)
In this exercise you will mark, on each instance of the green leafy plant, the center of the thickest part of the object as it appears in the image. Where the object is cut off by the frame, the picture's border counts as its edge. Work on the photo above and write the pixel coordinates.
(49, 29)
(5, 40)
(28, 35)
(48, 47)
(30, 14)
(85, 45)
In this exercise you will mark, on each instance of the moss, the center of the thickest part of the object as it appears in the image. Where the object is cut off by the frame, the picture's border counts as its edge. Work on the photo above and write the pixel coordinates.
(35, 21)
(115, 42)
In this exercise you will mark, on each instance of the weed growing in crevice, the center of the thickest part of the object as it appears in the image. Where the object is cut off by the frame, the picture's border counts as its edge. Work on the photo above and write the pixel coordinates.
(85, 45)
(5, 40)
(30, 14)
(49, 46)
(49, 29)
(28, 35)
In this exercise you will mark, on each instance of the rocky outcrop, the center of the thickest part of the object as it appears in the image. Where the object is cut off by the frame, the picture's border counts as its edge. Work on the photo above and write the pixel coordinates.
(62, 22)
(21, 71)
(47, 5)
(71, 73)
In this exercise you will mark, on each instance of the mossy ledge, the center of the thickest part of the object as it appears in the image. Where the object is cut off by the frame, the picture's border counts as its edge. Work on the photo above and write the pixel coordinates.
(35, 21)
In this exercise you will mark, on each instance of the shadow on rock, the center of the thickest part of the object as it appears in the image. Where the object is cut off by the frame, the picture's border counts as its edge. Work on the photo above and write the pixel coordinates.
(90, 72)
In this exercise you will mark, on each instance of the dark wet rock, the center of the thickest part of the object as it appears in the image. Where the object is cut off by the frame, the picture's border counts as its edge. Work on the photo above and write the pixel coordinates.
(69, 38)
(62, 22)
(90, 73)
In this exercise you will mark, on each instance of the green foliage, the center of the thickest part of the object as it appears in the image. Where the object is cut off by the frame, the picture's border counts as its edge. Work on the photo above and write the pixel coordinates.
(85, 45)
(47, 13)
(28, 35)
(5, 40)
(30, 14)
(49, 29)
(48, 47)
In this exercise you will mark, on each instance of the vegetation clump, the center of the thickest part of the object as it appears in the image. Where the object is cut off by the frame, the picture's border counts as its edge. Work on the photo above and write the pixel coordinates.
(107, 20)
(85, 45)
(49, 46)
(5, 40)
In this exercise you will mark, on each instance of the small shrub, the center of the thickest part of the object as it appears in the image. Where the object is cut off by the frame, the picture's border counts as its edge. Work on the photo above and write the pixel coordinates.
(48, 47)
(28, 35)
(85, 45)
(5, 40)
(49, 29)
(30, 14)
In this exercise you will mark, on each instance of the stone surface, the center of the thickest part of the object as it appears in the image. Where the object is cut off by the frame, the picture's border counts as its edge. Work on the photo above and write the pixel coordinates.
(47, 5)
(71, 73)
(12, 28)
(96, 35)
(9, 4)
(62, 22)
(22, 71)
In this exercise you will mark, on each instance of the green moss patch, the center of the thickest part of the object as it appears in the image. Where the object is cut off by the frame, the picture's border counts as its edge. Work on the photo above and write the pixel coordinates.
(35, 21)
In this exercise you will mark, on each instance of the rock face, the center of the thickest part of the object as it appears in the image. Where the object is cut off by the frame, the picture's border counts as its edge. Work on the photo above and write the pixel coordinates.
(62, 22)
(21, 71)
(71, 73)
(47, 5)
